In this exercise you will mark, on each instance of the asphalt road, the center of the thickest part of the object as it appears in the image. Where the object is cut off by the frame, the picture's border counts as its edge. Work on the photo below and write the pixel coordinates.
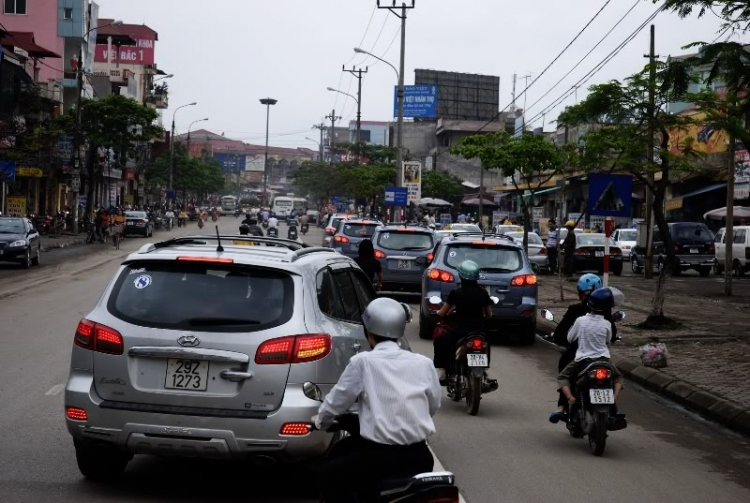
(509, 453)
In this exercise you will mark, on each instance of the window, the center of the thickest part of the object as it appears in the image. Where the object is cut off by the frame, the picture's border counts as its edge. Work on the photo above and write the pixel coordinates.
(68, 13)
(364, 135)
(739, 237)
(365, 292)
(15, 7)
(405, 241)
(719, 236)
(348, 296)
(360, 230)
(329, 300)
(489, 258)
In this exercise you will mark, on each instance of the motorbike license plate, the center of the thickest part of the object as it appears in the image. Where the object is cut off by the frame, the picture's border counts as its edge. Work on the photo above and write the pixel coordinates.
(602, 396)
(479, 360)
(404, 264)
(599, 254)
(694, 250)
(191, 375)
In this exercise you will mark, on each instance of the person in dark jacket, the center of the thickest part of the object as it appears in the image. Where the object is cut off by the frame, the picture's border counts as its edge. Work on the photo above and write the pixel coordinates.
(587, 284)
(369, 264)
(569, 248)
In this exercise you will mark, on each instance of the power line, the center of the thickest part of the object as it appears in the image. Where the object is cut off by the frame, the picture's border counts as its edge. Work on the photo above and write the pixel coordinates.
(364, 35)
(548, 66)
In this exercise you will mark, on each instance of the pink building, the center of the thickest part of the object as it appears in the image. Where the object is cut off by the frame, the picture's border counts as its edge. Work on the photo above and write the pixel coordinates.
(40, 18)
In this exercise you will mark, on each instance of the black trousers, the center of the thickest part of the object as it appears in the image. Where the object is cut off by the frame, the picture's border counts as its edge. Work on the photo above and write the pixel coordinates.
(552, 254)
(445, 347)
(358, 466)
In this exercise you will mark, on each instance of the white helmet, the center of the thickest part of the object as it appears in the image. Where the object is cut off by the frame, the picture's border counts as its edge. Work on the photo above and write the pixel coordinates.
(386, 318)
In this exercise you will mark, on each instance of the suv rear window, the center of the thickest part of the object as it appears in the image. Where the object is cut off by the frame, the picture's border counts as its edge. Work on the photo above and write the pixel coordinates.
(405, 241)
(489, 258)
(360, 230)
(692, 232)
(202, 297)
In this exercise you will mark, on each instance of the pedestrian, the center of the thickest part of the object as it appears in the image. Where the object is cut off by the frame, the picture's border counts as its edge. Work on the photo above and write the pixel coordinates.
(552, 235)
(462, 218)
(569, 247)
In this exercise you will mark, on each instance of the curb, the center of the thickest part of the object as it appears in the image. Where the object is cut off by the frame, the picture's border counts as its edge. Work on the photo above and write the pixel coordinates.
(725, 412)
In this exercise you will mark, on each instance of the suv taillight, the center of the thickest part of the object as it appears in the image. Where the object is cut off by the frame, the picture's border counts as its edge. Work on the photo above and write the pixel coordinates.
(524, 280)
(293, 349)
(341, 239)
(543, 250)
(379, 254)
(98, 337)
(438, 275)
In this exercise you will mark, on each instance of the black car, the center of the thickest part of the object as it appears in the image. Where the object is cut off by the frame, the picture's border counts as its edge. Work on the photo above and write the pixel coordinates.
(19, 241)
(137, 222)
(694, 249)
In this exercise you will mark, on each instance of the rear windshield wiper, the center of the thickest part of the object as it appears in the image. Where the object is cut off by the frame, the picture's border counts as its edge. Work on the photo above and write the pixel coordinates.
(414, 248)
(207, 322)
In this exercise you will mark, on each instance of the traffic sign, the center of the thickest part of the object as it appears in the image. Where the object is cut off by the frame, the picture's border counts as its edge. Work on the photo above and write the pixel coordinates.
(610, 195)
(395, 196)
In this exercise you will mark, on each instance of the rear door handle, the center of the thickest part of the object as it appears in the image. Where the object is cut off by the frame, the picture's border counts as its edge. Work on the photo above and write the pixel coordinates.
(235, 376)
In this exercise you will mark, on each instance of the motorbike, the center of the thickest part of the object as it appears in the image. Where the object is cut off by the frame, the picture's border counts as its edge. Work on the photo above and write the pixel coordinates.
(201, 223)
(292, 233)
(158, 221)
(237, 213)
(92, 236)
(273, 232)
(168, 223)
(467, 375)
(304, 228)
(594, 413)
(432, 487)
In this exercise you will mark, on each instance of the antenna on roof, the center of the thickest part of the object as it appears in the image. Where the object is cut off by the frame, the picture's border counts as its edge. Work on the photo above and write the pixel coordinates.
(218, 238)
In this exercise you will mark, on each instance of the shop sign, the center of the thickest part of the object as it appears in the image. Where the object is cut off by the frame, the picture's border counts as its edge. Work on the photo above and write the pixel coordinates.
(16, 206)
(29, 172)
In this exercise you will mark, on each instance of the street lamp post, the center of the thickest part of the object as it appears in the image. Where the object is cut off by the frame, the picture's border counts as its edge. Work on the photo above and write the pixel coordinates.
(188, 138)
(268, 102)
(171, 146)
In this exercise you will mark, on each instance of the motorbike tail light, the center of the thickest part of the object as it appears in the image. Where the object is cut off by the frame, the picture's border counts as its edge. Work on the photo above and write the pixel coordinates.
(83, 334)
(341, 239)
(524, 280)
(311, 347)
(76, 413)
(430, 257)
(476, 344)
(601, 374)
(295, 429)
(439, 275)
(543, 250)
(107, 340)
(379, 254)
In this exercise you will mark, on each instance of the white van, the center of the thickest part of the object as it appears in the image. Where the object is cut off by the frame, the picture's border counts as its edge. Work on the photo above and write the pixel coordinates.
(740, 250)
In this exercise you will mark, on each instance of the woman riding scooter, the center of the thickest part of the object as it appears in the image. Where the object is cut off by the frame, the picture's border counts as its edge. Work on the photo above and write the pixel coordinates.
(587, 284)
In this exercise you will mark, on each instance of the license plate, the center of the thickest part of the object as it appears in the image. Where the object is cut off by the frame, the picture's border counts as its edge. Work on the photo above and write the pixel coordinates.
(599, 254)
(694, 250)
(479, 360)
(191, 375)
(602, 396)
(404, 264)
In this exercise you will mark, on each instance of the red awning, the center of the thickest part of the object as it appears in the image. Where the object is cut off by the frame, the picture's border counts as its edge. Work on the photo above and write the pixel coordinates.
(25, 40)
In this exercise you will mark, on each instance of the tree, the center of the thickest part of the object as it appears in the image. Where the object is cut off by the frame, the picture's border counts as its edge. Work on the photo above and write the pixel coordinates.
(316, 178)
(621, 121)
(441, 185)
(735, 13)
(531, 160)
(199, 176)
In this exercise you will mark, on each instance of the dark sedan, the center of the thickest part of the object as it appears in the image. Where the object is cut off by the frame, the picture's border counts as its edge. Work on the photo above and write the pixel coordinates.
(137, 222)
(19, 242)
(589, 254)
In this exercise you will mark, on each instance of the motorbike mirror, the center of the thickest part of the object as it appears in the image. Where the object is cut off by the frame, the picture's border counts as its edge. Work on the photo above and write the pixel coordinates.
(435, 300)
(312, 391)
(408, 312)
(547, 315)
(619, 316)
(494, 300)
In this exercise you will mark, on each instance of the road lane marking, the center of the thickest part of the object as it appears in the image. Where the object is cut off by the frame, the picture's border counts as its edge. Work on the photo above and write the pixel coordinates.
(440, 468)
(55, 390)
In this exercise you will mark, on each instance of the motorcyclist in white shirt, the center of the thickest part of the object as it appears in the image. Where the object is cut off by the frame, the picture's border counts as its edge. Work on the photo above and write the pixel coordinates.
(398, 393)
(273, 222)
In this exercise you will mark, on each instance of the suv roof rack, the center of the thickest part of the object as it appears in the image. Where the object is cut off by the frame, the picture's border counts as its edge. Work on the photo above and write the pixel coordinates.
(491, 235)
(299, 249)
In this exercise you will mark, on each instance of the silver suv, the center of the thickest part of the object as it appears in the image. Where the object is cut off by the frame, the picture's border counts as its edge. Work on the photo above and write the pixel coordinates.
(203, 351)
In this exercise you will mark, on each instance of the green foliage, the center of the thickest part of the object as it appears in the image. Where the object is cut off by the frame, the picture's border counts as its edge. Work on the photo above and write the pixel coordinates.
(440, 185)
(323, 180)
(735, 13)
(200, 176)
(371, 154)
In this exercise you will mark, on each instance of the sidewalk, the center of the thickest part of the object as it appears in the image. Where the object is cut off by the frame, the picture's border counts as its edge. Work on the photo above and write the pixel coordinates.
(50, 242)
(709, 364)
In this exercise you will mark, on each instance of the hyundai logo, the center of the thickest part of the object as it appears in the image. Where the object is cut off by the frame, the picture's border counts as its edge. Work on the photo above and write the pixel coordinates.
(189, 341)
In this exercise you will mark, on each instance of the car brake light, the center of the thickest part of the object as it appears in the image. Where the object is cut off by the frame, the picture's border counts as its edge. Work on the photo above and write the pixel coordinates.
(582, 251)
(430, 257)
(76, 413)
(379, 254)
(711, 249)
(524, 280)
(97, 337)
(615, 251)
(293, 349)
(341, 239)
(439, 275)
(83, 334)
(295, 429)
(476, 344)
(209, 260)
(677, 248)
(543, 251)
(602, 374)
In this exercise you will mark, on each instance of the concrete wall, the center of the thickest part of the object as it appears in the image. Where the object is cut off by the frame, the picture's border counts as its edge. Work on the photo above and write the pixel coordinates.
(419, 139)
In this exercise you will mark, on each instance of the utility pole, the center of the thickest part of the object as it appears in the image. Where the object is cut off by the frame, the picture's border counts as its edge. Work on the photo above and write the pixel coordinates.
(358, 74)
(649, 271)
(400, 12)
(333, 118)
(322, 128)
(513, 96)
(77, 144)
(729, 228)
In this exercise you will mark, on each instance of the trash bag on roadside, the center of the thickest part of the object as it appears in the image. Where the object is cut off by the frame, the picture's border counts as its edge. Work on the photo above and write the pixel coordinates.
(654, 354)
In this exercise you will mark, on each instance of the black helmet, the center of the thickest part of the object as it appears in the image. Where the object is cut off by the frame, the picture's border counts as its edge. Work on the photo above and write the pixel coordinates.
(252, 221)
(244, 229)
(601, 300)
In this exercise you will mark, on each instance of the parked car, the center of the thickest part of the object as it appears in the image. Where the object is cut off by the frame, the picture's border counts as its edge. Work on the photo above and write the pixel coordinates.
(462, 227)
(19, 241)
(137, 222)
(332, 226)
(351, 233)
(506, 273)
(404, 253)
(589, 254)
(199, 353)
(740, 250)
(505, 229)
(625, 239)
(694, 248)
(537, 250)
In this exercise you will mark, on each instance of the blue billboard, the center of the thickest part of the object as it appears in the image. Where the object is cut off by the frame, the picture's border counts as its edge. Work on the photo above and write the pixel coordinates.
(420, 102)
(395, 196)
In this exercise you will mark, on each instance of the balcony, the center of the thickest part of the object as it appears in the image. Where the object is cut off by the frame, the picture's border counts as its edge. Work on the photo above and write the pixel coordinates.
(159, 97)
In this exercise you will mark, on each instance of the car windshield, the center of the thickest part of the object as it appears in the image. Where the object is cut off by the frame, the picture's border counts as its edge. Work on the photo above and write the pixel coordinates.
(405, 241)
(534, 239)
(693, 232)
(11, 227)
(489, 258)
(205, 297)
(592, 240)
(360, 230)
(135, 214)
(627, 236)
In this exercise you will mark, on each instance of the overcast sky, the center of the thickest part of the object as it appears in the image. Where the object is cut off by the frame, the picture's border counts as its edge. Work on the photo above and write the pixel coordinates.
(226, 54)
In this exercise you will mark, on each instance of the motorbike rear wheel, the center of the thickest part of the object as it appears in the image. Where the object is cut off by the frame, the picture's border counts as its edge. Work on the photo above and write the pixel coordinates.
(598, 434)
(473, 394)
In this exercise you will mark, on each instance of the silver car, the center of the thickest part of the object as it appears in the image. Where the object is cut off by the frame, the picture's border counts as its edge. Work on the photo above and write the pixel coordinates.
(194, 351)
(537, 250)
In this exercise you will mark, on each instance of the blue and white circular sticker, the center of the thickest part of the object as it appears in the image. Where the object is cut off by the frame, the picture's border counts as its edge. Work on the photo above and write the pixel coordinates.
(142, 281)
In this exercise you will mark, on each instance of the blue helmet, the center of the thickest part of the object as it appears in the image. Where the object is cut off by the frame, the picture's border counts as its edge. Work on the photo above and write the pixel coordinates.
(588, 283)
(601, 300)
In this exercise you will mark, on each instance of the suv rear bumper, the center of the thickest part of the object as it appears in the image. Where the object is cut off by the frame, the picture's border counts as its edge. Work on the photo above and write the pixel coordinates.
(139, 432)
(695, 261)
